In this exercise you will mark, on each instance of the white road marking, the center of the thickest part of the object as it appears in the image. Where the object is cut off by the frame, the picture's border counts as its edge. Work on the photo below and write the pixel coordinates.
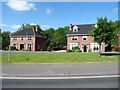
(80, 77)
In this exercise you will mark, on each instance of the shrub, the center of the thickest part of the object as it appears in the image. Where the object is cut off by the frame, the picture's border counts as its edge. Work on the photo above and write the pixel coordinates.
(76, 48)
(25, 49)
(69, 50)
(118, 50)
(13, 48)
(49, 48)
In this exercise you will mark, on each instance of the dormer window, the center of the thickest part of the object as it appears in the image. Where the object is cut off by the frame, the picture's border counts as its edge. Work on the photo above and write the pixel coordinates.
(75, 29)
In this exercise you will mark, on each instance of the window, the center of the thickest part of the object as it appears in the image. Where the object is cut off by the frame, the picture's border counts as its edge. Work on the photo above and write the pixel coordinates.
(84, 38)
(21, 38)
(95, 48)
(75, 38)
(14, 38)
(29, 38)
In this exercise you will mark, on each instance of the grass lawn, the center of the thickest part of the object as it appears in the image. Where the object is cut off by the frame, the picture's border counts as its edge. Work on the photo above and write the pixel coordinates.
(45, 57)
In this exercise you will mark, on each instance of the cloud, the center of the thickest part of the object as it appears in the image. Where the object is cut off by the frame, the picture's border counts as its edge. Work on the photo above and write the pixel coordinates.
(15, 26)
(115, 10)
(45, 27)
(49, 11)
(20, 5)
(3, 25)
(33, 24)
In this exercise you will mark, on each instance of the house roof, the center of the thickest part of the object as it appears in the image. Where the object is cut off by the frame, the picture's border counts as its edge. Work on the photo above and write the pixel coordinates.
(82, 29)
(27, 31)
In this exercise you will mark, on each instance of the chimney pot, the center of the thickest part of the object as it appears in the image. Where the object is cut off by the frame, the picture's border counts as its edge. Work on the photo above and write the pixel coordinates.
(36, 29)
(70, 27)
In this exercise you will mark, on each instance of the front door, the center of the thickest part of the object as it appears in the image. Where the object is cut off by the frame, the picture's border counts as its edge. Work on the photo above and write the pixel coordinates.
(84, 48)
(29, 47)
(21, 46)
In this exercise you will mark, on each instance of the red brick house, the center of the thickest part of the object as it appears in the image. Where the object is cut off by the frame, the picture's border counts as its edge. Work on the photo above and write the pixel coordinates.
(28, 39)
(79, 35)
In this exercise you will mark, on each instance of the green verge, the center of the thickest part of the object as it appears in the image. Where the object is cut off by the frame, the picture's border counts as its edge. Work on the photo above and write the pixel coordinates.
(74, 57)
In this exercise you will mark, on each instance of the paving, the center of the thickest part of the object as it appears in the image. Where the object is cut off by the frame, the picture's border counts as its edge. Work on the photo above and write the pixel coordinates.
(81, 69)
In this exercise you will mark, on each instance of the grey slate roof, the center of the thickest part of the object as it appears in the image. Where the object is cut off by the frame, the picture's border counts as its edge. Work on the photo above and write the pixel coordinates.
(82, 29)
(27, 31)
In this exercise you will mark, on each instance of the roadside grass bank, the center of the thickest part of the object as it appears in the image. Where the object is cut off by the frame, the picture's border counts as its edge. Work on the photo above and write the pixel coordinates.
(74, 57)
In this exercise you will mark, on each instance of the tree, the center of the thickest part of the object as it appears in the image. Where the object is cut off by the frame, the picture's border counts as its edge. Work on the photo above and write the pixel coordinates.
(116, 27)
(49, 35)
(5, 40)
(59, 37)
(103, 31)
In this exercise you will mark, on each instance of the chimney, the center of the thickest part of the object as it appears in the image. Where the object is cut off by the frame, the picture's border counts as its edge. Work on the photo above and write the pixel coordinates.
(22, 27)
(36, 29)
(70, 27)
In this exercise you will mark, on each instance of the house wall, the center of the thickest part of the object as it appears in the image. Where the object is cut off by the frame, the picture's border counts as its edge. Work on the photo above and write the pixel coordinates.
(81, 43)
(25, 41)
(40, 44)
(80, 40)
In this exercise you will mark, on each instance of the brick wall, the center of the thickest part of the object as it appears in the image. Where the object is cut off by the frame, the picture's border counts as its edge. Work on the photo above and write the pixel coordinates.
(40, 44)
(25, 41)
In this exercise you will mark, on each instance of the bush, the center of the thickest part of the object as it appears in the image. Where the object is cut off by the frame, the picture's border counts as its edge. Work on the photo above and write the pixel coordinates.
(13, 48)
(76, 49)
(69, 50)
(25, 49)
(49, 48)
(118, 50)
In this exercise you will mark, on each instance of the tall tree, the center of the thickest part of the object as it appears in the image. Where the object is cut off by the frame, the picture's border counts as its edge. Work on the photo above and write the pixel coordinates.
(59, 37)
(49, 35)
(116, 27)
(103, 32)
(5, 40)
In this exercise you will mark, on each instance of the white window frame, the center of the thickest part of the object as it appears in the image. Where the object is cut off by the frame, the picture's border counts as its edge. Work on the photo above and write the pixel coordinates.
(73, 37)
(84, 37)
(22, 38)
(29, 38)
(14, 38)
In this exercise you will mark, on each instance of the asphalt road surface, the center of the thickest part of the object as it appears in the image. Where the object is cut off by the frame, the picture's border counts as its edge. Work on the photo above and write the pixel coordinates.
(94, 82)
(60, 69)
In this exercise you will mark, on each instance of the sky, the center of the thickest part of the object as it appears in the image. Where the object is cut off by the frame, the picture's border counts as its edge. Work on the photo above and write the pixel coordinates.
(54, 14)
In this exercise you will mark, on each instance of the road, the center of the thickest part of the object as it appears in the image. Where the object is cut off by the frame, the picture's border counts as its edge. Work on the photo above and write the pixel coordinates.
(78, 82)
(60, 69)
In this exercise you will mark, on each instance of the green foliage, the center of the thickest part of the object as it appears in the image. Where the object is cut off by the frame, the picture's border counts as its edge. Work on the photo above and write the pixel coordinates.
(5, 40)
(69, 50)
(104, 31)
(76, 49)
(56, 38)
(116, 26)
(13, 48)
